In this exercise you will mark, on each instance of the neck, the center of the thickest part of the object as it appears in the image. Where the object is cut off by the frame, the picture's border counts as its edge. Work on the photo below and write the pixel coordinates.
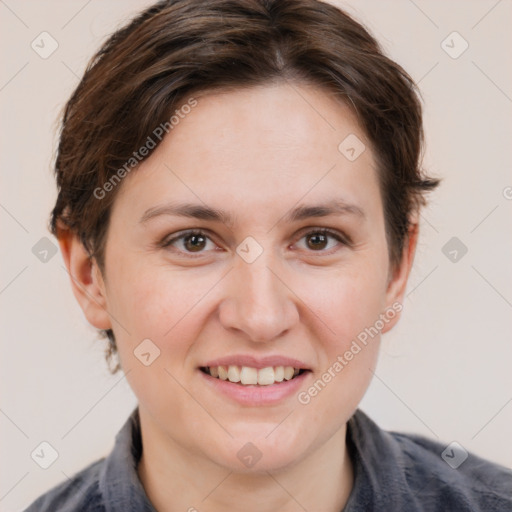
(174, 478)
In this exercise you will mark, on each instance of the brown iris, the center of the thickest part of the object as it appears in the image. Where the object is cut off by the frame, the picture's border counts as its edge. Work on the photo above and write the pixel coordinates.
(319, 241)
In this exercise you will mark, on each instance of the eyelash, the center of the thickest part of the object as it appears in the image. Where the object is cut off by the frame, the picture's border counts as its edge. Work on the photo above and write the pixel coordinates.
(342, 239)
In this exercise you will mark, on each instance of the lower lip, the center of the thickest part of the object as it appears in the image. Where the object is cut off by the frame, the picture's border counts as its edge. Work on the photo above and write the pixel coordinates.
(255, 395)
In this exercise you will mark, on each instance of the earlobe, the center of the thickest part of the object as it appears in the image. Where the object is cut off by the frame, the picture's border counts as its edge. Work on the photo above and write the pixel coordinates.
(86, 280)
(397, 283)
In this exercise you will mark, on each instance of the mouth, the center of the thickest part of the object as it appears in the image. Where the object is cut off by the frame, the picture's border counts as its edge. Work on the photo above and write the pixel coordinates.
(249, 376)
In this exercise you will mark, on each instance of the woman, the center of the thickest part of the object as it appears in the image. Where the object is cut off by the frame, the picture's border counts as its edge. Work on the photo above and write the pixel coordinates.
(239, 193)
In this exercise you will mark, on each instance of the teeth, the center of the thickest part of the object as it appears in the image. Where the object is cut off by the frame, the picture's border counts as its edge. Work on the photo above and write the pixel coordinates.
(266, 376)
(223, 373)
(288, 372)
(246, 375)
(234, 374)
(279, 373)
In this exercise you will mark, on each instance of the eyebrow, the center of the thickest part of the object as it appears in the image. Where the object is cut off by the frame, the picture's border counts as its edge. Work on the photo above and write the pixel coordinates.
(202, 212)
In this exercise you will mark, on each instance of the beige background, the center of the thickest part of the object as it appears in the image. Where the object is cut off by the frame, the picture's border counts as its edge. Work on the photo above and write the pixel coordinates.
(445, 371)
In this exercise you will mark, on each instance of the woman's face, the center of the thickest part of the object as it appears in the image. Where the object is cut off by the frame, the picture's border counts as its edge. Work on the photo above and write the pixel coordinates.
(261, 285)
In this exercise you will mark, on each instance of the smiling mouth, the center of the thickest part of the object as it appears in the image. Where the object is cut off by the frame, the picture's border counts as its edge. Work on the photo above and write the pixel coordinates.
(247, 376)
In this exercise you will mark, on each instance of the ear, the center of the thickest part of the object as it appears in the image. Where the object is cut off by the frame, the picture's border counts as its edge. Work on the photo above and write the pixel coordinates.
(397, 282)
(86, 279)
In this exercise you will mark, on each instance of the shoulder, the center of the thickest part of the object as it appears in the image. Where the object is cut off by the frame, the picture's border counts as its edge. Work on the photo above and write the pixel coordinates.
(424, 474)
(111, 483)
(81, 492)
(448, 472)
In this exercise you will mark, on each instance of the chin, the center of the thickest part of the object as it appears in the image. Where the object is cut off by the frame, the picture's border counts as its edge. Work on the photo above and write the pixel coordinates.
(266, 464)
(261, 454)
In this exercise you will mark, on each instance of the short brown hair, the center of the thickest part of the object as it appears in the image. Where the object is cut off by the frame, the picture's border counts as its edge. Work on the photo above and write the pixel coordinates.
(175, 48)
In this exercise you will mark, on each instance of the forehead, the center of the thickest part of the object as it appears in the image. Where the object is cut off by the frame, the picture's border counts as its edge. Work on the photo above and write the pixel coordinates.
(257, 146)
(299, 121)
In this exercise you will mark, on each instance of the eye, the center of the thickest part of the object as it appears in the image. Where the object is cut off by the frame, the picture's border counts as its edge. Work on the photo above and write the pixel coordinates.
(320, 240)
(190, 242)
(317, 240)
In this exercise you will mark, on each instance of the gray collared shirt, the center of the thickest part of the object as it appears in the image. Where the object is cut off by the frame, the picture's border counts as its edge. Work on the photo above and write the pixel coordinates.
(392, 472)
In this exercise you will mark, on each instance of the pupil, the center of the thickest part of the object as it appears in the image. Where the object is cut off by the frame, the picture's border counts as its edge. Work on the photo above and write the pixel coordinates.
(195, 242)
(318, 240)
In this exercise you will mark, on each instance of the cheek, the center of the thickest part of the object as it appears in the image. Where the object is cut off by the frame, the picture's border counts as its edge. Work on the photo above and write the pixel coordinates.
(168, 308)
(349, 304)
(157, 302)
(171, 308)
(346, 301)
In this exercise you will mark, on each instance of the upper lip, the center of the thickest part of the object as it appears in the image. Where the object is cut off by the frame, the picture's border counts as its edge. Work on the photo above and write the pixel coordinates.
(257, 362)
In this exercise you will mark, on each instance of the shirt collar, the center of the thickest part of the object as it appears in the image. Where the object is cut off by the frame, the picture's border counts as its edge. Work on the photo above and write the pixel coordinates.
(119, 482)
(374, 454)
(380, 480)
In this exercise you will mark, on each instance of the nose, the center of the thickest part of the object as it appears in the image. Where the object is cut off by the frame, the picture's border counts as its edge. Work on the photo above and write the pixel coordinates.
(258, 303)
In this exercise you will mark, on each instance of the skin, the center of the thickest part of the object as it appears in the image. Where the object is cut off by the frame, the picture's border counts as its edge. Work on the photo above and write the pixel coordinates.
(257, 153)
